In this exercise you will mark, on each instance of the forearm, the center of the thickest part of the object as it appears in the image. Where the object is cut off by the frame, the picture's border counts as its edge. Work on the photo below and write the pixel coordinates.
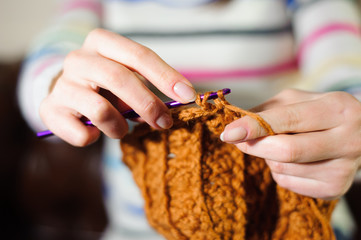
(45, 57)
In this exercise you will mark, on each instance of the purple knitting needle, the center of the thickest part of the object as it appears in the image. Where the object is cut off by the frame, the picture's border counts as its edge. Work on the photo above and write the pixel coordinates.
(132, 114)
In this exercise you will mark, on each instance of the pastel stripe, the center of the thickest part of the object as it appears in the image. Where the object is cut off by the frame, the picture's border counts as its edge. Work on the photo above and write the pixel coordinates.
(172, 3)
(351, 85)
(61, 42)
(312, 80)
(237, 74)
(325, 30)
(49, 61)
(94, 6)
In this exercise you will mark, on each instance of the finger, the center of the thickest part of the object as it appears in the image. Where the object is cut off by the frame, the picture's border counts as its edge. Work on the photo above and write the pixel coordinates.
(296, 148)
(64, 124)
(338, 170)
(312, 115)
(114, 100)
(98, 110)
(310, 170)
(286, 97)
(142, 60)
(307, 187)
(124, 84)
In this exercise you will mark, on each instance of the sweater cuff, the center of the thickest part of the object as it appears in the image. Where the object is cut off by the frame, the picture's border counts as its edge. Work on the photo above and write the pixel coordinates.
(35, 83)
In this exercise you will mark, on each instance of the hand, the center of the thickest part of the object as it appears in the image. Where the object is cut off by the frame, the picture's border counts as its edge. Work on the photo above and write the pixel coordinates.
(114, 63)
(317, 147)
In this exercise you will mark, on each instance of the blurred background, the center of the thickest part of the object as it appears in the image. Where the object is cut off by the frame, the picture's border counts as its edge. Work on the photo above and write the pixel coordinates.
(50, 190)
(20, 21)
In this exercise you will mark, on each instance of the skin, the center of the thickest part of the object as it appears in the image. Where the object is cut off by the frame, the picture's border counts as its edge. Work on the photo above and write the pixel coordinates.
(315, 152)
(114, 63)
(317, 147)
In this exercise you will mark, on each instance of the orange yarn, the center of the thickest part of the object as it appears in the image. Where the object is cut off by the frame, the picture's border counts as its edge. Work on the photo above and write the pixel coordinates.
(197, 187)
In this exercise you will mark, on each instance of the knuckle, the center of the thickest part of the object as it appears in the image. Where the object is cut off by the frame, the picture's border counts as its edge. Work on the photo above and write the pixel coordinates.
(115, 76)
(63, 92)
(337, 100)
(167, 77)
(101, 111)
(72, 58)
(151, 109)
(289, 153)
(280, 179)
(288, 93)
(277, 167)
(344, 104)
(342, 101)
(122, 132)
(339, 96)
(292, 118)
(345, 171)
(352, 148)
(340, 182)
(94, 35)
(141, 52)
(117, 133)
(81, 139)
(356, 106)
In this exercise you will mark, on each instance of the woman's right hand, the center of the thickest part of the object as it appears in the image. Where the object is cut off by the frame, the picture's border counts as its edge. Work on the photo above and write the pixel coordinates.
(111, 62)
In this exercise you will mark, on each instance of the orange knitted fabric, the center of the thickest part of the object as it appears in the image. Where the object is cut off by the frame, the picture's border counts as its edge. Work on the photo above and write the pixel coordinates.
(197, 187)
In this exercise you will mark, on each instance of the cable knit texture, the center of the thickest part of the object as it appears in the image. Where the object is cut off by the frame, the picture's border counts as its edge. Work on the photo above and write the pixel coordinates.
(197, 187)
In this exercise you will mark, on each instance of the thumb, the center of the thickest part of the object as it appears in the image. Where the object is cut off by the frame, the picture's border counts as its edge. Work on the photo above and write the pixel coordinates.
(246, 128)
(300, 117)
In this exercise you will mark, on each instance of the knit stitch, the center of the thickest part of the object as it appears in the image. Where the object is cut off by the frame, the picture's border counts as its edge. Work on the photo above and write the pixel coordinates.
(197, 187)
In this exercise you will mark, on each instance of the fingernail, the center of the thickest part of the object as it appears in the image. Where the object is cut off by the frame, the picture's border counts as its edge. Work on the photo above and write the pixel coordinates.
(185, 92)
(164, 121)
(234, 135)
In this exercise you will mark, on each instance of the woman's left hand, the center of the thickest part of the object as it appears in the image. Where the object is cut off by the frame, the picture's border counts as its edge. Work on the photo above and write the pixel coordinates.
(317, 147)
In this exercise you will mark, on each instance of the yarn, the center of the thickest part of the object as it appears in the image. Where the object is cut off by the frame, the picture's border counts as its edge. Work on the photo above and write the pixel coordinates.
(197, 187)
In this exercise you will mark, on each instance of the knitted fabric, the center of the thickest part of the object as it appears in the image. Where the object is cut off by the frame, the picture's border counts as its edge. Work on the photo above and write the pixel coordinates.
(197, 187)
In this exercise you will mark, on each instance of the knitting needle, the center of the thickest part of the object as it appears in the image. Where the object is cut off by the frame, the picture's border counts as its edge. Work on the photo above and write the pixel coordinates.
(132, 114)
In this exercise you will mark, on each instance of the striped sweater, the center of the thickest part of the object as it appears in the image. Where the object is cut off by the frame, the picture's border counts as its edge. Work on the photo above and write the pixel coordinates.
(255, 47)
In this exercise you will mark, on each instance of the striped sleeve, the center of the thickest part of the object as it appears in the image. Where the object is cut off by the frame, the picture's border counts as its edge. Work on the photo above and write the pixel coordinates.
(328, 42)
(75, 19)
